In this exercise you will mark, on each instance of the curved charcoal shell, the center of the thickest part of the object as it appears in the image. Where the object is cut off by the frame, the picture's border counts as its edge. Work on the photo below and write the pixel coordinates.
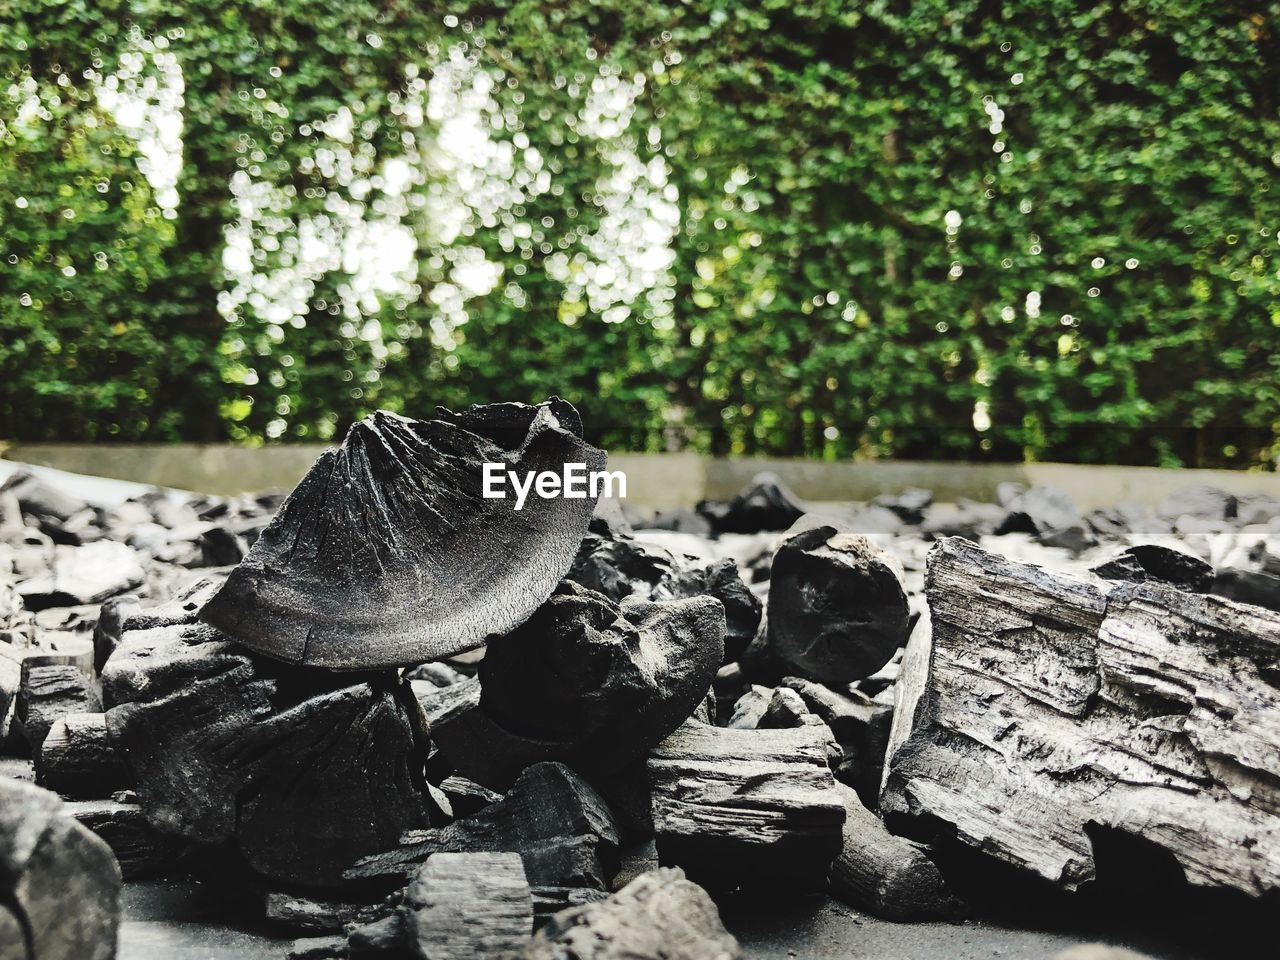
(387, 554)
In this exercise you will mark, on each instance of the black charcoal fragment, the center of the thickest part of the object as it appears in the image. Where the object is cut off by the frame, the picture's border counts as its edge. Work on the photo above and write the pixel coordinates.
(764, 504)
(59, 884)
(306, 770)
(888, 876)
(837, 605)
(585, 682)
(1151, 561)
(557, 822)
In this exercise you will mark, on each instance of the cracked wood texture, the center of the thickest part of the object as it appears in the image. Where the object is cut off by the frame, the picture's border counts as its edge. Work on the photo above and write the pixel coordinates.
(738, 807)
(387, 553)
(1052, 702)
(462, 906)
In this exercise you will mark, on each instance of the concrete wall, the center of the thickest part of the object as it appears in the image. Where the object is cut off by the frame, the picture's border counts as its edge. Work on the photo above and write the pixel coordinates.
(656, 480)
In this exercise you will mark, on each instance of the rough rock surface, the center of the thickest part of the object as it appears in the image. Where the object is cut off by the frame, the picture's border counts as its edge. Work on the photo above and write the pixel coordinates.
(388, 554)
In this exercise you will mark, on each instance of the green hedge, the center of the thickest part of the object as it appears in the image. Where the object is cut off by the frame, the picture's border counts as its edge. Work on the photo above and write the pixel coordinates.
(924, 230)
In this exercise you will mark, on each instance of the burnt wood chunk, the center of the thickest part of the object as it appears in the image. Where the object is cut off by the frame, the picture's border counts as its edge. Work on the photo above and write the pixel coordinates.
(837, 605)
(140, 849)
(469, 905)
(585, 682)
(77, 758)
(1153, 561)
(308, 915)
(659, 914)
(1051, 702)
(306, 770)
(736, 807)
(50, 691)
(84, 575)
(388, 553)
(888, 876)
(860, 726)
(59, 884)
(557, 822)
(766, 503)
(621, 566)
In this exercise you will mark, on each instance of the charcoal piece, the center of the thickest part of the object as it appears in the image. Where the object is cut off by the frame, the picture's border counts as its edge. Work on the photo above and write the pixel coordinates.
(659, 914)
(110, 626)
(82, 575)
(40, 500)
(59, 884)
(764, 504)
(909, 505)
(1151, 561)
(587, 683)
(183, 608)
(49, 692)
(77, 759)
(736, 807)
(1051, 705)
(436, 674)
(318, 948)
(140, 849)
(681, 520)
(966, 518)
(442, 706)
(305, 770)
(1243, 585)
(1050, 515)
(639, 856)
(1256, 509)
(308, 915)
(554, 819)
(384, 939)
(461, 906)
(750, 707)
(861, 729)
(1126, 518)
(623, 567)
(888, 876)
(221, 547)
(548, 901)
(467, 797)
(784, 711)
(388, 553)
(1203, 502)
(837, 606)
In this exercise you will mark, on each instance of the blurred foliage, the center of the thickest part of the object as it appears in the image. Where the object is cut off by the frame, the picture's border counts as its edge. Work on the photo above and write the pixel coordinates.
(925, 230)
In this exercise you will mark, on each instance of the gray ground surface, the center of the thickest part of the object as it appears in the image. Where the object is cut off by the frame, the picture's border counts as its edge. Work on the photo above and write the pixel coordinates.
(185, 920)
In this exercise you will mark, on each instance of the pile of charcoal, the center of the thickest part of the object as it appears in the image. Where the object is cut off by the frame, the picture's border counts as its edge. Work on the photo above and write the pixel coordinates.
(430, 725)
